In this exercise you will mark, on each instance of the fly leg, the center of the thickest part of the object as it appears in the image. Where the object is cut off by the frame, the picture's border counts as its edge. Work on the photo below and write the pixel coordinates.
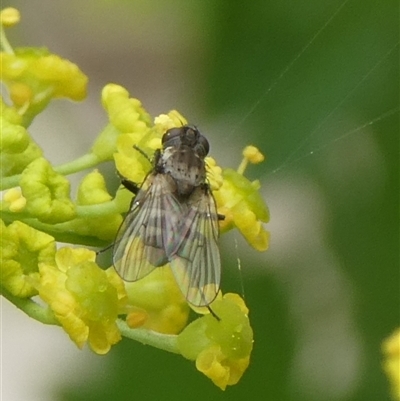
(130, 185)
(213, 313)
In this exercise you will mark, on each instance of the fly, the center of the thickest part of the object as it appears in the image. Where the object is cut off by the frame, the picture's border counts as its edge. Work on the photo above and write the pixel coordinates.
(173, 219)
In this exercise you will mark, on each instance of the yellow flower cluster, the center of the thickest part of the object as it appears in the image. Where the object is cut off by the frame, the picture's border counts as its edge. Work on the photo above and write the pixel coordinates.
(37, 210)
(85, 299)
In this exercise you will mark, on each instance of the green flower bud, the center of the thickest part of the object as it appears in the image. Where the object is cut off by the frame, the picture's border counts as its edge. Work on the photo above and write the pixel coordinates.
(17, 149)
(9, 113)
(22, 249)
(14, 138)
(46, 192)
(92, 191)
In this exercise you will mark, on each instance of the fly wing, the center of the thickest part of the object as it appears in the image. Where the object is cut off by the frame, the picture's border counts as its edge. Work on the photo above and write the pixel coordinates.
(195, 259)
(148, 229)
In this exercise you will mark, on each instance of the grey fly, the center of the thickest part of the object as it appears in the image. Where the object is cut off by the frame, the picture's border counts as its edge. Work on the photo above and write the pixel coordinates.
(173, 219)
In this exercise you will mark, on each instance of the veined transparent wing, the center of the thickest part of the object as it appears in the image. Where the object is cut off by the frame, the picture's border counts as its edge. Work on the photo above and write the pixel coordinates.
(148, 229)
(195, 260)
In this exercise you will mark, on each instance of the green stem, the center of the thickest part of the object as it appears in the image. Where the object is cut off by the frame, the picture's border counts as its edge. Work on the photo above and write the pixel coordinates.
(166, 342)
(62, 232)
(98, 210)
(82, 211)
(31, 308)
(81, 163)
(9, 182)
(242, 166)
(5, 44)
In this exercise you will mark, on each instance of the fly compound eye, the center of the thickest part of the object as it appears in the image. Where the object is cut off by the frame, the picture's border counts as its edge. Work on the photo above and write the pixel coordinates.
(172, 133)
(203, 146)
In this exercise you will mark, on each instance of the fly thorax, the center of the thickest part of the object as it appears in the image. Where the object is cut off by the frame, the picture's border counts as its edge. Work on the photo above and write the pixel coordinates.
(185, 167)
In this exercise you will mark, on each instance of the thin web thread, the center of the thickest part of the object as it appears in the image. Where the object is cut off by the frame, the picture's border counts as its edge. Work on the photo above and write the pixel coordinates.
(346, 134)
(288, 67)
(289, 161)
(239, 266)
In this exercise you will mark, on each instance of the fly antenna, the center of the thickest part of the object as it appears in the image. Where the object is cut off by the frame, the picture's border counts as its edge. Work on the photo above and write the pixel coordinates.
(142, 152)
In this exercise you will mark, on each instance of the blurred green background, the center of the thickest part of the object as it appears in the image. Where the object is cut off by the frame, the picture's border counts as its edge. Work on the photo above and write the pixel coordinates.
(315, 86)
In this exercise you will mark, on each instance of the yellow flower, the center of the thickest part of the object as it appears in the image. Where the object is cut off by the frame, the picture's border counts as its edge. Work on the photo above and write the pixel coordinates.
(44, 73)
(126, 114)
(85, 299)
(14, 201)
(221, 370)
(61, 76)
(240, 202)
(252, 155)
(131, 132)
(9, 17)
(22, 248)
(130, 163)
(391, 365)
(34, 77)
(214, 174)
(221, 348)
(173, 119)
(129, 118)
(136, 148)
(156, 303)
